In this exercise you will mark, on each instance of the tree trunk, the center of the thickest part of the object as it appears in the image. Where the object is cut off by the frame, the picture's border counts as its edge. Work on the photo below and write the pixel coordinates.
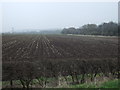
(83, 78)
(27, 86)
(45, 83)
(23, 84)
(95, 75)
(11, 83)
(65, 79)
(77, 79)
(92, 79)
(73, 78)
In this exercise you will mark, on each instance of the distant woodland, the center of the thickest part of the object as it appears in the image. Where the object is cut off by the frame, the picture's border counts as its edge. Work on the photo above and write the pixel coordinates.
(105, 29)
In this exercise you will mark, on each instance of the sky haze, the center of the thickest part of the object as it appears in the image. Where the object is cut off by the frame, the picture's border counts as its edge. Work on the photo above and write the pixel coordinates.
(56, 15)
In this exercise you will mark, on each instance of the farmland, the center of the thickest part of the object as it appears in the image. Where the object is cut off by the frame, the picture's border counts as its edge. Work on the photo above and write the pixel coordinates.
(28, 57)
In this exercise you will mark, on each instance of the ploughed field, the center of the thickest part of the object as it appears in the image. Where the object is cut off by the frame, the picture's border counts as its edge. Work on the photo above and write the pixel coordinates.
(29, 56)
(38, 47)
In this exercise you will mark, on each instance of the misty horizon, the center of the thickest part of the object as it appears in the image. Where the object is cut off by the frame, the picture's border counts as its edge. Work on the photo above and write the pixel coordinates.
(53, 16)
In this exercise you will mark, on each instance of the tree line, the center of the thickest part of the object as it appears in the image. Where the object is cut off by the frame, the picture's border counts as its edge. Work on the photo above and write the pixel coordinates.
(105, 29)
(78, 70)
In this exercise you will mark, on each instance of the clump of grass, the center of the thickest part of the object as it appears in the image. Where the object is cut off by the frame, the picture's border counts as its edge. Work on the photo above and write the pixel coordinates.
(107, 84)
(110, 84)
(83, 86)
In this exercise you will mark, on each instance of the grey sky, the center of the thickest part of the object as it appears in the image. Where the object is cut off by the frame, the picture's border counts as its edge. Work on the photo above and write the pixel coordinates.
(57, 15)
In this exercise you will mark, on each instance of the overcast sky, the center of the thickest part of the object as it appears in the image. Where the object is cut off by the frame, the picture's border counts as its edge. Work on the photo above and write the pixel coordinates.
(55, 15)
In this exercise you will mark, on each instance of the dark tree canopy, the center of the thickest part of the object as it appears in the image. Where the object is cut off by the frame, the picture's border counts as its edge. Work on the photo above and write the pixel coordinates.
(106, 29)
